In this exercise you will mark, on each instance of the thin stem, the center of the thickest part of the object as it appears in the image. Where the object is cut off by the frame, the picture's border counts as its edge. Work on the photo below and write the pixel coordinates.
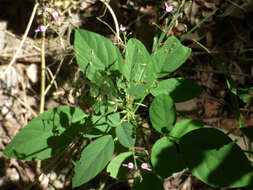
(42, 85)
(198, 25)
(24, 37)
(168, 29)
(54, 77)
(114, 19)
(43, 71)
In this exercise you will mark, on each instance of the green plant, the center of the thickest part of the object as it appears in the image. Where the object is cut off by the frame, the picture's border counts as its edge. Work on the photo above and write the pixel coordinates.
(118, 86)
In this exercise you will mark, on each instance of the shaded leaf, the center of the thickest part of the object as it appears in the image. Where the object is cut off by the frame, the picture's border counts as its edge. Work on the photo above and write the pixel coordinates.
(180, 89)
(165, 157)
(184, 126)
(47, 134)
(215, 159)
(115, 166)
(93, 160)
(126, 134)
(162, 113)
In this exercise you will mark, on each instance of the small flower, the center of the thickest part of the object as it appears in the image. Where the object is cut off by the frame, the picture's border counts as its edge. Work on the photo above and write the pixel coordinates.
(122, 28)
(168, 8)
(37, 30)
(45, 9)
(42, 28)
(145, 167)
(55, 16)
(130, 165)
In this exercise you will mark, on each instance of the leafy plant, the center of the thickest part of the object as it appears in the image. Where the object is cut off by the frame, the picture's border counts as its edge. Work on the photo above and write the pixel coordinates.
(119, 84)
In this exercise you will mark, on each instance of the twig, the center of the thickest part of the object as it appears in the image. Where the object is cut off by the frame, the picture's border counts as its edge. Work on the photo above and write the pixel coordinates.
(50, 76)
(198, 25)
(17, 37)
(54, 77)
(26, 106)
(24, 37)
(114, 19)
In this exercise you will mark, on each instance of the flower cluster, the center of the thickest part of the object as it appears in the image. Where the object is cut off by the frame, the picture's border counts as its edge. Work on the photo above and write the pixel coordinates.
(55, 16)
(144, 166)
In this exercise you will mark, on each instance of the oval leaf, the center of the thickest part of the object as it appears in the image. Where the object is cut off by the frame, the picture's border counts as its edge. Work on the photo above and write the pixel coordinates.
(93, 160)
(137, 62)
(126, 134)
(184, 126)
(96, 51)
(177, 88)
(165, 157)
(115, 166)
(169, 57)
(213, 158)
(47, 134)
(162, 113)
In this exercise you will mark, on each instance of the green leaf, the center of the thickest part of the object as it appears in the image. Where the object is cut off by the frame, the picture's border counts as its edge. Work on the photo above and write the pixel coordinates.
(137, 62)
(245, 94)
(169, 57)
(99, 59)
(95, 51)
(137, 69)
(184, 126)
(165, 157)
(248, 131)
(93, 160)
(126, 134)
(138, 90)
(150, 181)
(180, 89)
(102, 84)
(99, 125)
(47, 134)
(162, 113)
(213, 158)
(115, 166)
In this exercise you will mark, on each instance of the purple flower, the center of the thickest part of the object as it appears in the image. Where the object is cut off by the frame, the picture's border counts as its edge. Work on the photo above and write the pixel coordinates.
(130, 165)
(55, 16)
(45, 9)
(145, 167)
(37, 30)
(168, 8)
(122, 28)
(42, 28)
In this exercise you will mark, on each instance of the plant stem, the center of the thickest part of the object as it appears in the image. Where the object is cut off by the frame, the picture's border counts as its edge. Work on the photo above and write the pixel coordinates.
(24, 37)
(42, 85)
(114, 19)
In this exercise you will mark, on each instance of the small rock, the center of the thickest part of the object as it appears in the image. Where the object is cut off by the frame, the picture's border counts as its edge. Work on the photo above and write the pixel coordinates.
(3, 26)
(32, 73)
(12, 174)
